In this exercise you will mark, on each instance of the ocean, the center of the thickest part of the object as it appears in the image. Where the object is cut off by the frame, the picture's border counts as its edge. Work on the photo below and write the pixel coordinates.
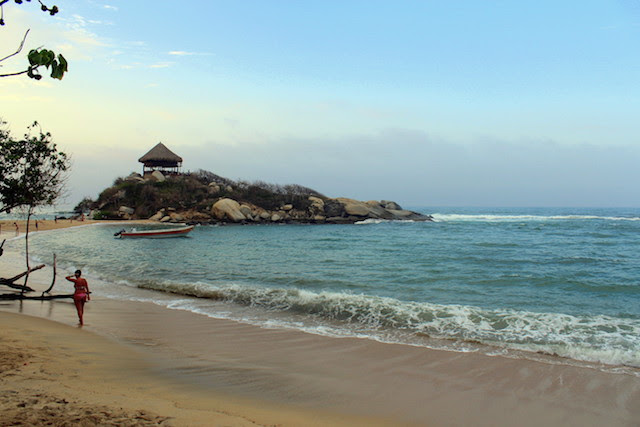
(519, 282)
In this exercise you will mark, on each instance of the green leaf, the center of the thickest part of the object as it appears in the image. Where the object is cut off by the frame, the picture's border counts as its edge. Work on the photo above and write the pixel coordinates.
(34, 57)
(56, 71)
(50, 56)
(63, 62)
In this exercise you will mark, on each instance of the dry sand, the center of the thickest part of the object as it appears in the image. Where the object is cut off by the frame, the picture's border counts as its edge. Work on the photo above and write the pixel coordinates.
(8, 227)
(146, 364)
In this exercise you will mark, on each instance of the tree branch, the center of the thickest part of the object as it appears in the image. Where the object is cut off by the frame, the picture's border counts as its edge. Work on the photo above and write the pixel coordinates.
(14, 74)
(19, 48)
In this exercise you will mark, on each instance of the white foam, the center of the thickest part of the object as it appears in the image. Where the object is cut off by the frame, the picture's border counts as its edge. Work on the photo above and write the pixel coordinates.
(591, 338)
(439, 217)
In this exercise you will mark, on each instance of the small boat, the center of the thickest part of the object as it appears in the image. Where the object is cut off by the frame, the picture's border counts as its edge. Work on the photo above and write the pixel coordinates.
(158, 233)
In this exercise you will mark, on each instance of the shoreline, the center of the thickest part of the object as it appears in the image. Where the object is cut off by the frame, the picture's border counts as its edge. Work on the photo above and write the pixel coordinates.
(8, 226)
(390, 384)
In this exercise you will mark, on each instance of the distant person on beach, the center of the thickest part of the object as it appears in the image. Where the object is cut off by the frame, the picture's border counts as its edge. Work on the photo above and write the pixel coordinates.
(81, 294)
(17, 228)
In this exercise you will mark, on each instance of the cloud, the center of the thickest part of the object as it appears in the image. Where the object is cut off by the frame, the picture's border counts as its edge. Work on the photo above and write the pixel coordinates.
(109, 7)
(180, 53)
(185, 53)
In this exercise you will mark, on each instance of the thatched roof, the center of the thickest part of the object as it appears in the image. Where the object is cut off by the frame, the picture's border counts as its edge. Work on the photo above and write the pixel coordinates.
(160, 153)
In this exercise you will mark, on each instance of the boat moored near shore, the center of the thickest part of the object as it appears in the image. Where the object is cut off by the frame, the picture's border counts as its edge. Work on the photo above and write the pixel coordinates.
(155, 233)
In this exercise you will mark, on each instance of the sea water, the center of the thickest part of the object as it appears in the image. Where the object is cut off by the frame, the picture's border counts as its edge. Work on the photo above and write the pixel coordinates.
(556, 281)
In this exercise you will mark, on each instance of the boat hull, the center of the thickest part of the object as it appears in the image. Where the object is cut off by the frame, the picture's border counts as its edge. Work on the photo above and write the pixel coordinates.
(156, 234)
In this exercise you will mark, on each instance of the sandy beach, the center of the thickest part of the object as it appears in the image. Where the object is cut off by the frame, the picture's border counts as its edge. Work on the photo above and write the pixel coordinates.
(136, 363)
(10, 228)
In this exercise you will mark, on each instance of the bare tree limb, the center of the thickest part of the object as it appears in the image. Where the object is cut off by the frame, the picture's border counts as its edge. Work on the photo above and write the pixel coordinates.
(10, 281)
(19, 48)
(53, 281)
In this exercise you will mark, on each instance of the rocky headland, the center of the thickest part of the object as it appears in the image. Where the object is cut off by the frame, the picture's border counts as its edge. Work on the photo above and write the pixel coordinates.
(205, 198)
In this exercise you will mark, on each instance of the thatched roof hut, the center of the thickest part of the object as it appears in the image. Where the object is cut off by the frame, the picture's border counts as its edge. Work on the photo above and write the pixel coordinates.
(162, 159)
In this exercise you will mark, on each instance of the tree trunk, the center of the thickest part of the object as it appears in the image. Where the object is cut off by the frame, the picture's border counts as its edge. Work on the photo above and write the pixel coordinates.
(53, 281)
(26, 246)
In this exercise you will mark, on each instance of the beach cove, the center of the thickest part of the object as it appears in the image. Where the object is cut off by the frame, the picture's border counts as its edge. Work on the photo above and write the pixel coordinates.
(291, 377)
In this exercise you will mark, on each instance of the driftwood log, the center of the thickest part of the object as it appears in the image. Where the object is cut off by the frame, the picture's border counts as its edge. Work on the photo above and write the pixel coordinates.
(14, 297)
(10, 281)
(21, 296)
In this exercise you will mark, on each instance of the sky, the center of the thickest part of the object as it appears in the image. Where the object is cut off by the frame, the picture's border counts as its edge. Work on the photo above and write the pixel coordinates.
(428, 103)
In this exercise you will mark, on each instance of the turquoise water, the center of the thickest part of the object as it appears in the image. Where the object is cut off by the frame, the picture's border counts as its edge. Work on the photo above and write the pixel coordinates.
(559, 281)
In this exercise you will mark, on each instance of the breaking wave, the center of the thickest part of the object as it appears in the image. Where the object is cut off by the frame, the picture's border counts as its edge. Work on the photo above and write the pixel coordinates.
(600, 338)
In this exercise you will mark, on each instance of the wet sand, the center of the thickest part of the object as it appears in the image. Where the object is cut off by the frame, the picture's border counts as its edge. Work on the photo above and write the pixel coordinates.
(288, 377)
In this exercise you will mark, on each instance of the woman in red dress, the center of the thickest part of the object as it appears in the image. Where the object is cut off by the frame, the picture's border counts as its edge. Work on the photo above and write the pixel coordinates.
(81, 294)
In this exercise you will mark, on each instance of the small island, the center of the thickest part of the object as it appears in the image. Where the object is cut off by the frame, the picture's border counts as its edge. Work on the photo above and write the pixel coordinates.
(164, 193)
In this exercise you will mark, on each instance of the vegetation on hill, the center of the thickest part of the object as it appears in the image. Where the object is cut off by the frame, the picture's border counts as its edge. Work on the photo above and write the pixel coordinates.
(196, 191)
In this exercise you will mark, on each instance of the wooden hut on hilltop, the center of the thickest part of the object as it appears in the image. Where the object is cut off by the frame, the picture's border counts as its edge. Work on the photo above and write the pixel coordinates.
(162, 159)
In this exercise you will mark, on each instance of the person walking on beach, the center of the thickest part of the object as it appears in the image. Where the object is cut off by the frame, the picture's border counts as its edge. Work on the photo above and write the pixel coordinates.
(81, 294)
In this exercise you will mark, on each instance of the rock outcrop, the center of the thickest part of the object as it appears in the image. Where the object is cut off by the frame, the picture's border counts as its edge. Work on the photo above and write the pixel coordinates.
(204, 197)
(340, 211)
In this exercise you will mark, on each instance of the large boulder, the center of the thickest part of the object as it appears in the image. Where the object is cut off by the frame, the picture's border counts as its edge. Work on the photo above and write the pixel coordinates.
(387, 204)
(265, 214)
(214, 188)
(194, 215)
(376, 210)
(157, 176)
(333, 208)
(134, 177)
(227, 209)
(316, 208)
(354, 207)
(124, 210)
(246, 211)
(158, 215)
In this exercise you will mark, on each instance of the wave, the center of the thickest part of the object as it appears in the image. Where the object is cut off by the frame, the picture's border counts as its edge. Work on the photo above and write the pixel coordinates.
(439, 217)
(603, 339)
(383, 221)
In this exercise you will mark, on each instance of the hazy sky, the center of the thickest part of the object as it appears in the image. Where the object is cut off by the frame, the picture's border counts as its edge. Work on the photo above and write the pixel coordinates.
(429, 103)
